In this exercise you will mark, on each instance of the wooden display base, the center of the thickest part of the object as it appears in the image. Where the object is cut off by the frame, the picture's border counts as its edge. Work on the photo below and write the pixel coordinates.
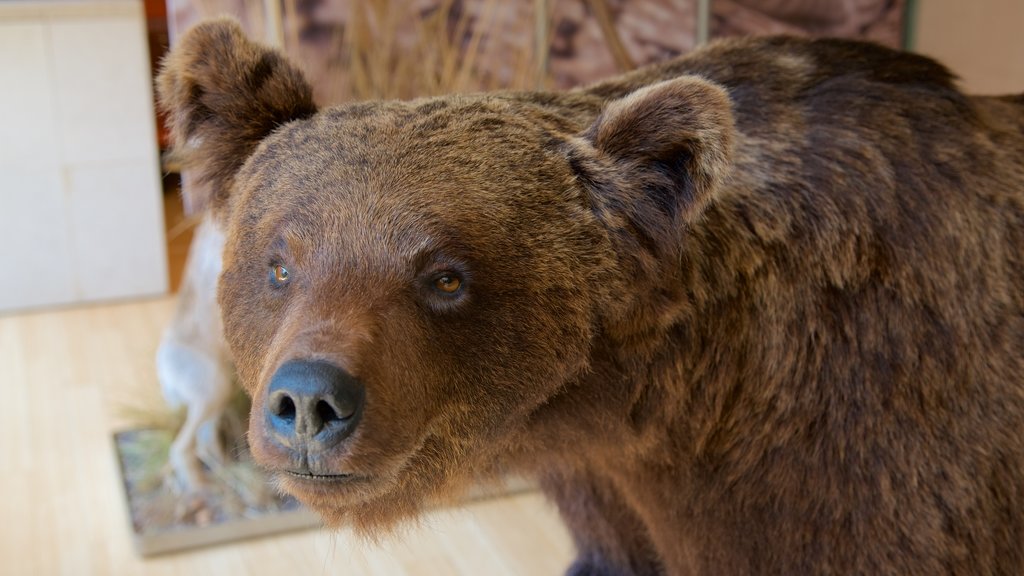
(237, 503)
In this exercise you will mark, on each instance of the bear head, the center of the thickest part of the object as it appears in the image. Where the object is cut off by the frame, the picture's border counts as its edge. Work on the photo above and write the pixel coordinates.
(457, 264)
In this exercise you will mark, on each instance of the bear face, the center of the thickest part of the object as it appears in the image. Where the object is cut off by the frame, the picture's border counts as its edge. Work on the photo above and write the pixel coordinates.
(398, 273)
(454, 256)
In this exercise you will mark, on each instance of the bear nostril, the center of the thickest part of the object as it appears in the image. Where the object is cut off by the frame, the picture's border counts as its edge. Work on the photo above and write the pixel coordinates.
(284, 408)
(326, 412)
(333, 411)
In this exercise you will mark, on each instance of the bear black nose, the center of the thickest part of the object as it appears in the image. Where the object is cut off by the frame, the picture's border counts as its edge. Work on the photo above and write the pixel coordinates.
(312, 405)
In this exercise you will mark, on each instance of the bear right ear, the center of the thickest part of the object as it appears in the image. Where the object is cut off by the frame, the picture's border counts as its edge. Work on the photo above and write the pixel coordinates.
(655, 159)
(223, 94)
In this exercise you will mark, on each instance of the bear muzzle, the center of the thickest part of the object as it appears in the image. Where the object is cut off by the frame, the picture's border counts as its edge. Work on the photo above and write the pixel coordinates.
(311, 407)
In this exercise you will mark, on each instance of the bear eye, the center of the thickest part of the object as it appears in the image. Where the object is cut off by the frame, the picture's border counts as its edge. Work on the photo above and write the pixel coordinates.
(278, 275)
(448, 283)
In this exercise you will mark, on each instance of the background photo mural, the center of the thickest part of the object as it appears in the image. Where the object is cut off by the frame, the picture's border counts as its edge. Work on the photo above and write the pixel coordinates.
(407, 48)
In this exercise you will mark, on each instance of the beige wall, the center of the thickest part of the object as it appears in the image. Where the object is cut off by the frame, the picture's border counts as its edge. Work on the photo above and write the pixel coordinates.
(80, 201)
(981, 40)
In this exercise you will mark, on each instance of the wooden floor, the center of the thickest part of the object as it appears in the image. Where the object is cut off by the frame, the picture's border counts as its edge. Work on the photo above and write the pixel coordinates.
(178, 228)
(64, 379)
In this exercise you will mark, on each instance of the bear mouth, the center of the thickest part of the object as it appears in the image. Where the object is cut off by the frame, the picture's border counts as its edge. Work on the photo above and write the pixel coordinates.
(308, 476)
(305, 484)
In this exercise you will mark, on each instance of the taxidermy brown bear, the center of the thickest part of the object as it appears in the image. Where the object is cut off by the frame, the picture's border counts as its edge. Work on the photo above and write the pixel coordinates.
(756, 310)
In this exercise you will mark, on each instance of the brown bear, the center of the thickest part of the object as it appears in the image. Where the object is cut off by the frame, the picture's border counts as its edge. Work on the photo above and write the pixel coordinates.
(756, 310)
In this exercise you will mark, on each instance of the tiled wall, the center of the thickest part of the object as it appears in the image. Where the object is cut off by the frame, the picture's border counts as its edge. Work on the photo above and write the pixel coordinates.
(80, 208)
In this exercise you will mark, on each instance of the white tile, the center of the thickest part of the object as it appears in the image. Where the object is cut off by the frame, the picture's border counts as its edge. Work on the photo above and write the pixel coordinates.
(104, 96)
(27, 130)
(118, 242)
(35, 246)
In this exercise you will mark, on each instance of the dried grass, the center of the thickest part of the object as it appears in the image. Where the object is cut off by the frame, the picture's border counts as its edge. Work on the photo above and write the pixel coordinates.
(387, 49)
(147, 409)
(396, 49)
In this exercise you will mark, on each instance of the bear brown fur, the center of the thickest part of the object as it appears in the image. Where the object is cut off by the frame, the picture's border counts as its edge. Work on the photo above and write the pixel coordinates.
(756, 310)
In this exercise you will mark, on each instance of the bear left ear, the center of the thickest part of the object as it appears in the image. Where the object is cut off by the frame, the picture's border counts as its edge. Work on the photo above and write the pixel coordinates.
(658, 154)
(223, 95)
